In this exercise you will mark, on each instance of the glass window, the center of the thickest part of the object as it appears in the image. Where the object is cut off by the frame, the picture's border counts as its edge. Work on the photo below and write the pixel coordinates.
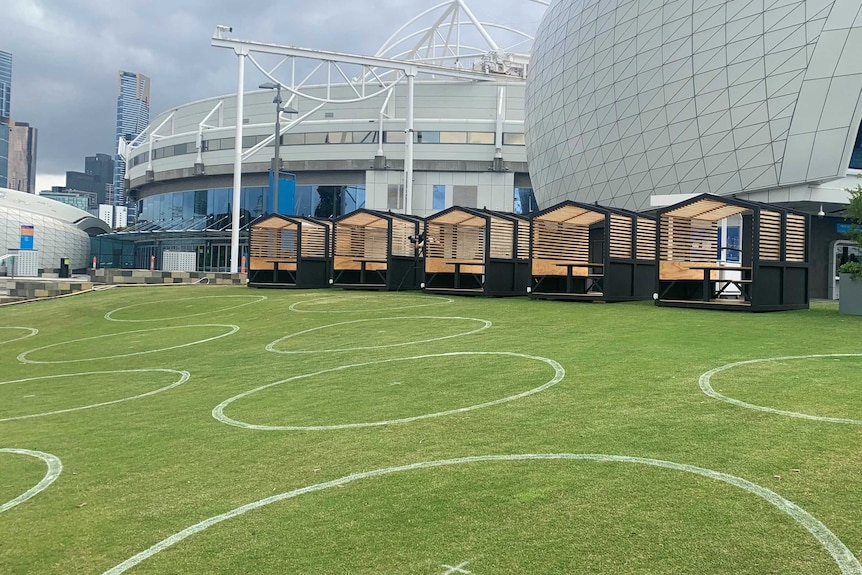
(439, 199)
(856, 154)
(480, 137)
(525, 201)
(513, 139)
(315, 138)
(426, 137)
(352, 198)
(200, 208)
(465, 196)
(339, 138)
(395, 197)
(394, 137)
(291, 139)
(453, 138)
(365, 137)
(226, 143)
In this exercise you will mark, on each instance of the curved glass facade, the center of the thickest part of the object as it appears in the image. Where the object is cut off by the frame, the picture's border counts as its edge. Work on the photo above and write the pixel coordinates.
(211, 209)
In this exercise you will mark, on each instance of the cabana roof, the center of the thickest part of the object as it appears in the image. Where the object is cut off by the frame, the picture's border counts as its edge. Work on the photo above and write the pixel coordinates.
(711, 208)
(373, 218)
(279, 221)
(461, 216)
(576, 213)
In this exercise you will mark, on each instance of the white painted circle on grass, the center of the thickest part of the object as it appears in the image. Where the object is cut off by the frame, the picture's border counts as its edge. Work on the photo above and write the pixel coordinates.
(706, 387)
(183, 377)
(256, 298)
(218, 412)
(32, 331)
(341, 299)
(271, 347)
(55, 468)
(22, 357)
(843, 557)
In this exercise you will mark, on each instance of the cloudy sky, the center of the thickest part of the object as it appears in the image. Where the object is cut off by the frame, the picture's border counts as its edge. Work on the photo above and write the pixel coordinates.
(66, 54)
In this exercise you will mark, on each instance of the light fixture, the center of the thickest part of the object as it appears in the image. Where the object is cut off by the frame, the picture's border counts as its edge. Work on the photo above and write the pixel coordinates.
(821, 213)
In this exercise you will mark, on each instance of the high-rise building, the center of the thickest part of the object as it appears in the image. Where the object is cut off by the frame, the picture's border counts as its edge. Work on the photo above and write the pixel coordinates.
(5, 105)
(4, 153)
(133, 115)
(22, 157)
(5, 84)
(97, 178)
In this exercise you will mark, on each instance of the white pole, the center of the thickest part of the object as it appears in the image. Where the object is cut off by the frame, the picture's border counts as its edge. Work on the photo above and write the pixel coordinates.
(237, 163)
(408, 156)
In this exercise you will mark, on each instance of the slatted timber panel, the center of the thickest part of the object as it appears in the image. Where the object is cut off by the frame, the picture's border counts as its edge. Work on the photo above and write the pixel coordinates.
(646, 239)
(708, 210)
(313, 240)
(455, 242)
(502, 239)
(560, 241)
(795, 238)
(770, 236)
(687, 240)
(274, 239)
(523, 240)
(360, 241)
(401, 230)
(620, 237)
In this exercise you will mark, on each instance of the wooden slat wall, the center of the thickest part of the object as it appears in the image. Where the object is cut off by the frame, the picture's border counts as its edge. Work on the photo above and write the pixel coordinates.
(523, 240)
(560, 241)
(313, 240)
(451, 242)
(795, 238)
(360, 241)
(685, 240)
(502, 239)
(272, 243)
(401, 230)
(620, 237)
(770, 236)
(646, 239)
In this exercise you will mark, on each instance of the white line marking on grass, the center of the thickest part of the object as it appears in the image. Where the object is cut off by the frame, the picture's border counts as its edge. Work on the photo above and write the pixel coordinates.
(293, 306)
(259, 298)
(271, 346)
(33, 331)
(218, 412)
(844, 558)
(22, 357)
(55, 467)
(184, 377)
(706, 387)
(456, 569)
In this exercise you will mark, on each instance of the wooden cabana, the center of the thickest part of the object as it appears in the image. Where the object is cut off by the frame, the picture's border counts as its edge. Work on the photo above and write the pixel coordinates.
(585, 252)
(373, 251)
(470, 251)
(771, 268)
(289, 252)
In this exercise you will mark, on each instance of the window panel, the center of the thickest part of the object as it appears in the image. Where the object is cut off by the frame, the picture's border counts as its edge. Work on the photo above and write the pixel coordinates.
(315, 138)
(465, 196)
(439, 198)
(395, 197)
(513, 139)
(453, 138)
(480, 137)
(394, 137)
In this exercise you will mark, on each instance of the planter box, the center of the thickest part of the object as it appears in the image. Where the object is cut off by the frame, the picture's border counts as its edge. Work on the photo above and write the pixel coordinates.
(850, 292)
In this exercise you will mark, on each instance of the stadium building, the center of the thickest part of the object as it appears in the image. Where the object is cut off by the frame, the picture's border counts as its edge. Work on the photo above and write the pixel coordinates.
(419, 127)
(636, 104)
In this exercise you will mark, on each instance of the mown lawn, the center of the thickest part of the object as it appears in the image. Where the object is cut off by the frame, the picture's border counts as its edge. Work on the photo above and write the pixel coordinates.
(433, 405)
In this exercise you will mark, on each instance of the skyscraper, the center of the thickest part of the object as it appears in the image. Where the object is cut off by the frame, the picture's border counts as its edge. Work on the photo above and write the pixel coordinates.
(133, 115)
(22, 157)
(5, 84)
(5, 105)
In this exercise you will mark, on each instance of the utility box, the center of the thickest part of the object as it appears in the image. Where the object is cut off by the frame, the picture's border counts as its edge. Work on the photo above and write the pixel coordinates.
(65, 272)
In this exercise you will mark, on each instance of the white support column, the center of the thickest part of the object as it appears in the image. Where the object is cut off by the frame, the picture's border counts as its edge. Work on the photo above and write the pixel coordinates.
(241, 53)
(501, 115)
(408, 139)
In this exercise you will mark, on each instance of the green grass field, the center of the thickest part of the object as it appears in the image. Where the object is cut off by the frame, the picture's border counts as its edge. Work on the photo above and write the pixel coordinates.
(357, 432)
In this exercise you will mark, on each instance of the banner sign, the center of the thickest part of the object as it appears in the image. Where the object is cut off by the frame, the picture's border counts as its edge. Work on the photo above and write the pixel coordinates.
(26, 238)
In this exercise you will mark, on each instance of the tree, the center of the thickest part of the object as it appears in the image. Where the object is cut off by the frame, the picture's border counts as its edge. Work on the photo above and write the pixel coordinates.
(854, 214)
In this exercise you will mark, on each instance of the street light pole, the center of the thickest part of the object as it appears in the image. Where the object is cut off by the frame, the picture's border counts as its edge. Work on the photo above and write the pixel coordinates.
(276, 160)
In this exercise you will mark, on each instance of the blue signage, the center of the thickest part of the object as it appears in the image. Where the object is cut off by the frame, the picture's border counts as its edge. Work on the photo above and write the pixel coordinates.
(26, 242)
(842, 228)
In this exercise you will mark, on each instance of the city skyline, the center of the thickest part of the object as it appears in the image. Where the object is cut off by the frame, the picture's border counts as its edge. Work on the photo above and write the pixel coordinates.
(67, 54)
